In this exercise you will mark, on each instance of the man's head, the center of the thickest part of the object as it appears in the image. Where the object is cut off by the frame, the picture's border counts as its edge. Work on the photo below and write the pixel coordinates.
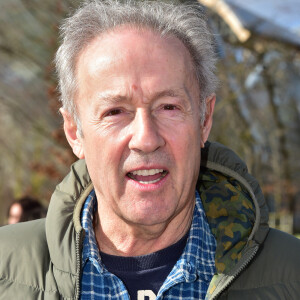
(25, 209)
(186, 22)
(140, 92)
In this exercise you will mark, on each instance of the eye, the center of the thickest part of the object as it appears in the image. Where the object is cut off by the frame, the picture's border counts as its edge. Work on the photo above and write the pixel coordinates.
(113, 112)
(169, 107)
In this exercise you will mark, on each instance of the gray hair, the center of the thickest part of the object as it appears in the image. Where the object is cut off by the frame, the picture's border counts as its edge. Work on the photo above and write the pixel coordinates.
(186, 22)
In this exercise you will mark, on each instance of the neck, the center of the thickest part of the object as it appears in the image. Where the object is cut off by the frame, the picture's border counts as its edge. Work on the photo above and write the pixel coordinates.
(124, 239)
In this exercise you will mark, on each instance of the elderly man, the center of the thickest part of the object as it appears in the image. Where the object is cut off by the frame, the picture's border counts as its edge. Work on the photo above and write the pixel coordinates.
(137, 218)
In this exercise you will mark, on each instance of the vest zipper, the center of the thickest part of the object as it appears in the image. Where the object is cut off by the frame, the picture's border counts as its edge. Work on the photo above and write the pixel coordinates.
(78, 242)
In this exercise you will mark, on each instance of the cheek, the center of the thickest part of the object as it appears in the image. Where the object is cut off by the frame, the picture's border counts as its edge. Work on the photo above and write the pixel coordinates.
(104, 153)
(187, 151)
(184, 139)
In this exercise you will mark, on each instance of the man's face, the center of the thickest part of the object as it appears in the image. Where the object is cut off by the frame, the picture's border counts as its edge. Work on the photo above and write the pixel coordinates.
(138, 102)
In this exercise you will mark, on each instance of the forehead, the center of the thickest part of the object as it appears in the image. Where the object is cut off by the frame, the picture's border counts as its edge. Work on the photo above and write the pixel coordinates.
(129, 44)
(16, 208)
(117, 61)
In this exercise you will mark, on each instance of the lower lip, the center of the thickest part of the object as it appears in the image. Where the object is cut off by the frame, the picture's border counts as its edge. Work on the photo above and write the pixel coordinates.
(149, 186)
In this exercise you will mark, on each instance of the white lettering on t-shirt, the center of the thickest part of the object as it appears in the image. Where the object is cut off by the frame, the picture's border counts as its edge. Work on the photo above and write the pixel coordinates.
(146, 293)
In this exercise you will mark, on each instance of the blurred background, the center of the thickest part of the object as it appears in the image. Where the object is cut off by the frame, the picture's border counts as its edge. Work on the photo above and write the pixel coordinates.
(257, 112)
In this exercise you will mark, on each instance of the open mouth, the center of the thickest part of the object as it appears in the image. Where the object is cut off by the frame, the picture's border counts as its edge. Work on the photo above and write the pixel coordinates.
(147, 176)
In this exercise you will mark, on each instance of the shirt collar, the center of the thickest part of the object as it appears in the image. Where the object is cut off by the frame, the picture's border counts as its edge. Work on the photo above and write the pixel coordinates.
(199, 253)
(90, 247)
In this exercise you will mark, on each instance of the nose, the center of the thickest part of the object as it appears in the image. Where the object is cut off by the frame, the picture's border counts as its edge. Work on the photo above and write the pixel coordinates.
(145, 135)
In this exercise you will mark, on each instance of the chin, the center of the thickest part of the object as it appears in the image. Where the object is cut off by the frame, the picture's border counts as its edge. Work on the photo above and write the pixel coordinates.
(149, 218)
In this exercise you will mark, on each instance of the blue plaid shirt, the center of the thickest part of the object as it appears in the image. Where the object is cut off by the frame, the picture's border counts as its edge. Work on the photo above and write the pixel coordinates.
(189, 278)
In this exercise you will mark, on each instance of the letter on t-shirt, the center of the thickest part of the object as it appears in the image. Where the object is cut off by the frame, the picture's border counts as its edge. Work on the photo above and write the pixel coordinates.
(146, 293)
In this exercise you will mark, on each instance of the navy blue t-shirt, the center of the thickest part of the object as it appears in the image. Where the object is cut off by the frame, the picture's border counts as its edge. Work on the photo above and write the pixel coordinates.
(144, 275)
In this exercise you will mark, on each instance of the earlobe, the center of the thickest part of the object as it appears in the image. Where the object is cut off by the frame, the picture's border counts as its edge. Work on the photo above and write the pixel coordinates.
(207, 125)
(72, 134)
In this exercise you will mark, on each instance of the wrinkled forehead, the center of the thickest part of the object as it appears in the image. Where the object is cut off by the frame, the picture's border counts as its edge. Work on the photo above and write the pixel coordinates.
(138, 53)
(126, 40)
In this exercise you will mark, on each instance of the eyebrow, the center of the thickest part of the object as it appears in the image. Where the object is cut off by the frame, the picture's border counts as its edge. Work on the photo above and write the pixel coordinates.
(111, 98)
(116, 98)
(166, 93)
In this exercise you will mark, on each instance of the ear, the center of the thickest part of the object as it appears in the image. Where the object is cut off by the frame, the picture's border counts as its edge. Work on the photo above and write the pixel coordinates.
(206, 127)
(72, 134)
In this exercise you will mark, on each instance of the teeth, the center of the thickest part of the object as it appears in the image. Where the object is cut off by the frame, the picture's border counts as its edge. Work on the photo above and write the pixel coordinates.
(148, 172)
(147, 182)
